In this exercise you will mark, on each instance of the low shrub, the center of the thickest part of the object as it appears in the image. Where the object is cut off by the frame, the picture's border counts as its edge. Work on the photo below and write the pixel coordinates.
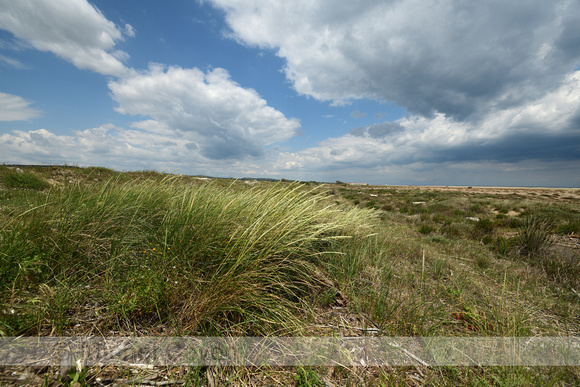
(452, 230)
(483, 261)
(387, 207)
(475, 208)
(563, 267)
(483, 230)
(515, 223)
(485, 226)
(572, 227)
(426, 229)
(442, 219)
(502, 210)
(371, 204)
(487, 239)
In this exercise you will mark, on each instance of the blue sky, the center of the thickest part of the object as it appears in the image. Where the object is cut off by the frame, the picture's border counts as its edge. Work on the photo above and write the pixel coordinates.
(385, 92)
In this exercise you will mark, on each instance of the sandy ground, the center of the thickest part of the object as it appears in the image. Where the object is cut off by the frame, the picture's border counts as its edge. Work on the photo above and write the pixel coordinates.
(551, 193)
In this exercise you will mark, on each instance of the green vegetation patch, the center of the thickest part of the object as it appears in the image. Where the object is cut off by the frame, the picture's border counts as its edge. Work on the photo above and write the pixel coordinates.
(200, 258)
(16, 178)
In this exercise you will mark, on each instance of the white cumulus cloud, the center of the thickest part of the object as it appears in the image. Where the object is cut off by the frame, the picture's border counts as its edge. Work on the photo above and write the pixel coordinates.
(208, 110)
(116, 147)
(74, 30)
(16, 108)
(457, 58)
(123, 149)
(547, 128)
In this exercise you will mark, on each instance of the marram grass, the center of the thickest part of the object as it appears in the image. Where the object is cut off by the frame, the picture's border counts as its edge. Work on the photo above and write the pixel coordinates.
(201, 258)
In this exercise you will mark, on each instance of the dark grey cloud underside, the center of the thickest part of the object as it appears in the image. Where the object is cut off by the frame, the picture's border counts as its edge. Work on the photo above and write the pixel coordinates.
(227, 146)
(493, 52)
(377, 130)
(511, 149)
(518, 144)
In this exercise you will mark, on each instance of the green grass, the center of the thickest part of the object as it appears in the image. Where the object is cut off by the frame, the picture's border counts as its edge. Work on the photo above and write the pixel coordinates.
(306, 377)
(245, 258)
(534, 236)
(17, 178)
(102, 252)
(571, 227)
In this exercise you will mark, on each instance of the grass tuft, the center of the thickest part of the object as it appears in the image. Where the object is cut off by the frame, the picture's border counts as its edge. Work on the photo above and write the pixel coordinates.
(244, 259)
(534, 236)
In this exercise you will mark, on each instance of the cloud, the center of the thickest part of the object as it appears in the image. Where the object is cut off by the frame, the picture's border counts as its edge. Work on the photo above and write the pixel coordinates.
(11, 62)
(114, 146)
(377, 130)
(357, 114)
(210, 110)
(130, 31)
(455, 58)
(123, 149)
(546, 129)
(74, 30)
(15, 108)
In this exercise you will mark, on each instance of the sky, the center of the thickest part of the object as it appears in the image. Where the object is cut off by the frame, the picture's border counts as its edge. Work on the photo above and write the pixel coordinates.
(411, 92)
